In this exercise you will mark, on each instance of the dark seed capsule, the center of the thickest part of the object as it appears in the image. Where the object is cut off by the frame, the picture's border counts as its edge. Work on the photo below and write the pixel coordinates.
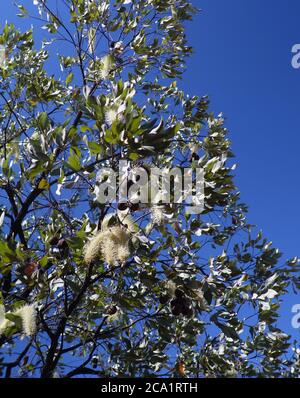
(185, 309)
(176, 310)
(122, 206)
(54, 241)
(112, 310)
(179, 293)
(49, 264)
(163, 299)
(94, 362)
(194, 156)
(175, 302)
(190, 312)
(180, 367)
(62, 244)
(134, 206)
(30, 268)
(176, 307)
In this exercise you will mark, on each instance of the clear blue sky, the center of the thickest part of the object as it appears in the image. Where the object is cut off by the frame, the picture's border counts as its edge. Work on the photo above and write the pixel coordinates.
(242, 61)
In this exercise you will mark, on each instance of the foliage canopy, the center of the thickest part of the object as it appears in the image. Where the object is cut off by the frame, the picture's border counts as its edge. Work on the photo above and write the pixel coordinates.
(192, 294)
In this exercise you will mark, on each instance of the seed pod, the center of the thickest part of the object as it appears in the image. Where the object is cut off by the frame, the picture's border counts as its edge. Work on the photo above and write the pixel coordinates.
(176, 307)
(62, 244)
(122, 206)
(94, 362)
(54, 241)
(194, 157)
(112, 310)
(179, 293)
(134, 207)
(176, 310)
(185, 309)
(190, 312)
(164, 298)
(30, 267)
(235, 220)
(180, 368)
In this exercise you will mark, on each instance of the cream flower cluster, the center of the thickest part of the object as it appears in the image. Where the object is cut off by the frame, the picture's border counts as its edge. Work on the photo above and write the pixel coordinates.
(4, 322)
(158, 215)
(27, 313)
(2, 55)
(110, 243)
(106, 66)
(28, 316)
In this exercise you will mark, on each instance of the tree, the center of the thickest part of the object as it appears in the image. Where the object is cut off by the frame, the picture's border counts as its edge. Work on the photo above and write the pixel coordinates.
(124, 289)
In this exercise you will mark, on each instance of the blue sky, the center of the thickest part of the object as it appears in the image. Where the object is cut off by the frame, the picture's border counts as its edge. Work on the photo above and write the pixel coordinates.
(242, 61)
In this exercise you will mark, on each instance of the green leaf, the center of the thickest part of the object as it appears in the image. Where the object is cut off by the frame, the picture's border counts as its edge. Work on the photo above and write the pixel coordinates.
(43, 184)
(69, 78)
(43, 120)
(74, 161)
(111, 136)
(95, 148)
